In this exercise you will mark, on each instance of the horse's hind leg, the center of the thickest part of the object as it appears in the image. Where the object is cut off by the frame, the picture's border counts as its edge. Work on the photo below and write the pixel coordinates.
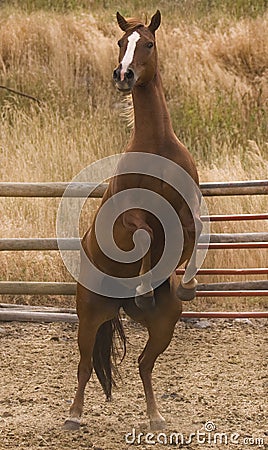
(93, 311)
(160, 324)
(86, 339)
(156, 344)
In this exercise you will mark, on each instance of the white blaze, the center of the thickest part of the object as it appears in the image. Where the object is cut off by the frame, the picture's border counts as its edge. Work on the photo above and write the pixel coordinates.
(128, 56)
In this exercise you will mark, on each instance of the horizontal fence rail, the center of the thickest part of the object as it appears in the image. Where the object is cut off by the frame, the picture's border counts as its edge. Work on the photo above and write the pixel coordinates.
(46, 314)
(10, 315)
(244, 240)
(243, 289)
(234, 245)
(234, 217)
(97, 190)
(37, 288)
(234, 286)
(217, 241)
(251, 271)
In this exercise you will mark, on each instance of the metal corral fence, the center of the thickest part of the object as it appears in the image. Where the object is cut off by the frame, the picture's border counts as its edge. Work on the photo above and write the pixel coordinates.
(217, 241)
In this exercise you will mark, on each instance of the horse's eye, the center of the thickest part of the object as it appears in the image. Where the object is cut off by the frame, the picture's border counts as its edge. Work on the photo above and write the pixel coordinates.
(150, 44)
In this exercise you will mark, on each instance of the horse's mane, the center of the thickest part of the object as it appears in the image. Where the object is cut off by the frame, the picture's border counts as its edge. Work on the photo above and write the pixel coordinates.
(127, 110)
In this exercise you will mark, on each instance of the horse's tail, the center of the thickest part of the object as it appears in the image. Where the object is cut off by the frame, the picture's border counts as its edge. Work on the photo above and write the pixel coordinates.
(106, 352)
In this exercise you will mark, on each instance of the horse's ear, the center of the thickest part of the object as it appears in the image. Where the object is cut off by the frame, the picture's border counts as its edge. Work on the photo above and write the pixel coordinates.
(122, 22)
(155, 22)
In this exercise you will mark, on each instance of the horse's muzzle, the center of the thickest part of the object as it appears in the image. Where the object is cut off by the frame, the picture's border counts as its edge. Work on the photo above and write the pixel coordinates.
(124, 81)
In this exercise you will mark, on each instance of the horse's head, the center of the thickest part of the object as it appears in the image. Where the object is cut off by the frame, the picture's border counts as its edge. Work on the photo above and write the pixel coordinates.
(137, 55)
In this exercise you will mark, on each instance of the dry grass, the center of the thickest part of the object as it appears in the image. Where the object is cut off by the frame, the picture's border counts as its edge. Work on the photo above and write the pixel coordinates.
(215, 80)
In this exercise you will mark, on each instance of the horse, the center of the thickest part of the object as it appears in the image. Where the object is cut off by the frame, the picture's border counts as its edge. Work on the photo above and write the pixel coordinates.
(157, 307)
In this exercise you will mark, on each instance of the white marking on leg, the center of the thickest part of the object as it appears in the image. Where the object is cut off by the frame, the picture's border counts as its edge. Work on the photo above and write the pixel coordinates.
(190, 284)
(128, 56)
(145, 288)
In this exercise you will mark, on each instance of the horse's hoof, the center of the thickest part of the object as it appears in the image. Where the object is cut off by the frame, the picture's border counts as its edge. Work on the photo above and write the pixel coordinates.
(71, 424)
(145, 303)
(186, 294)
(157, 425)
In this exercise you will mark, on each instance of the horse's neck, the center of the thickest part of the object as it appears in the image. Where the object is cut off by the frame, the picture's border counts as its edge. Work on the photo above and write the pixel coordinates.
(152, 126)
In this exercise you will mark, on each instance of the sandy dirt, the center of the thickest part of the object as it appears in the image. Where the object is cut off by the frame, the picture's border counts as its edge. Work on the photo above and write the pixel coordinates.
(215, 374)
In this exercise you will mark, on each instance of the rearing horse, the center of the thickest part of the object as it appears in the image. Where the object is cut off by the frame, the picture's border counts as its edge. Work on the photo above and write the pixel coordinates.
(158, 307)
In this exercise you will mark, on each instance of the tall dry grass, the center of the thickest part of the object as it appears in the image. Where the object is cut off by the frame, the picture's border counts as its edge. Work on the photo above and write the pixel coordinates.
(215, 80)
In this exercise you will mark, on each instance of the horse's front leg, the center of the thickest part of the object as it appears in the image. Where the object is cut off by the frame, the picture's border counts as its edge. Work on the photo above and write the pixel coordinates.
(188, 285)
(187, 288)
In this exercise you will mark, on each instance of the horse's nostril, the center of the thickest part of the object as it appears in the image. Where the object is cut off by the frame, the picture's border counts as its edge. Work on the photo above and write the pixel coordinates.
(116, 74)
(129, 74)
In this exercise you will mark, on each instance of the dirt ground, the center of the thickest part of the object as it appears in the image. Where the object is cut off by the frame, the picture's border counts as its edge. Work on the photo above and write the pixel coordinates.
(212, 378)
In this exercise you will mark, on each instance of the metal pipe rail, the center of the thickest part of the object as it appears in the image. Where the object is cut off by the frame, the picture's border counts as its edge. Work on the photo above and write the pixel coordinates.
(242, 289)
(57, 189)
(218, 241)
(251, 271)
(234, 217)
(71, 317)
(9, 311)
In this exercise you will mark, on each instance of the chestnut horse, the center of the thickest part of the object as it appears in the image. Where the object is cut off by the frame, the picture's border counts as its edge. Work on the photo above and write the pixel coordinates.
(157, 307)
